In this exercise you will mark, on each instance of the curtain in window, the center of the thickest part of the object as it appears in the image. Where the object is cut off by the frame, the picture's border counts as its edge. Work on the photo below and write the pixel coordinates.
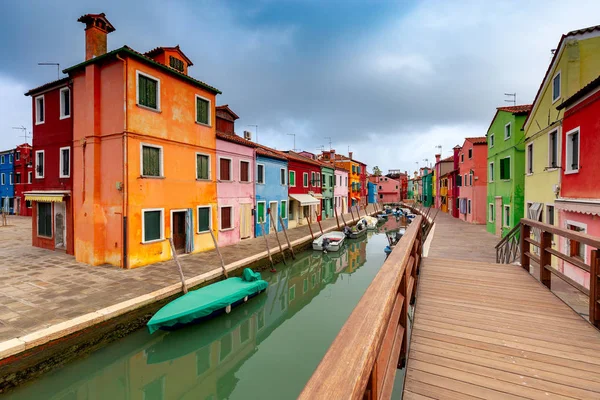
(189, 231)
(201, 167)
(224, 169)
(147, 92)
(201, 110)
(151, 161)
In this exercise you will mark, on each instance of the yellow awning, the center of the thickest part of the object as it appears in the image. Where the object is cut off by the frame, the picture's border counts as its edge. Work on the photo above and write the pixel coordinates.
(45, 198)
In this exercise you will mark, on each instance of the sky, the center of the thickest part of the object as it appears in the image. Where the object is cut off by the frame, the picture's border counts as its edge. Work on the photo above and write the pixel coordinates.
(386, 80)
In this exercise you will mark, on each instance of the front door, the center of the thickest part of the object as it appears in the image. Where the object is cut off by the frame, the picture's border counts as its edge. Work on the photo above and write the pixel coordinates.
(179, 230)
(245, 220)
(18, 206)
(60, 226)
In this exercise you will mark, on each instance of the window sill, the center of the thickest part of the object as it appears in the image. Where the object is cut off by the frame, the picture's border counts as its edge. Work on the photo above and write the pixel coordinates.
(40, 123)
(64, 176)
(151, 177)
(203, 180)
(225, 230)
(550, 169)
(245, 182)
(260, 183)
(221, 181)
(203, 124)
(152, 241)
(158, 111)
(64, 117)
(529, 174)
(202, 232)
(575, 171)
(44, 237)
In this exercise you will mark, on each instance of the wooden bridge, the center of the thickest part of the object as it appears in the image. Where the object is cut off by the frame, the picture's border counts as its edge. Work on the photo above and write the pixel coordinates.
(481, 330)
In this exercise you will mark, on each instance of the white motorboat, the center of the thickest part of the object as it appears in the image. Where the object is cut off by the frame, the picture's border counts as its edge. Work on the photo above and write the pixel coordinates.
(331, 241)
(371, 222)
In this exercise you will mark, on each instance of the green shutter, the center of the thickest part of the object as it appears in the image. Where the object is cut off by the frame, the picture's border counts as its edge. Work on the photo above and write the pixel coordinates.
(505, 168)
(203, 219)
(283, 209)
(201, 167)
(260, 214)
(151, 161)
(292, 178)
(152, 223)
(148, 92)
(202, 111)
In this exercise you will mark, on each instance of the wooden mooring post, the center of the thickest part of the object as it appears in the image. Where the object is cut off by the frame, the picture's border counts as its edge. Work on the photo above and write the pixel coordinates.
(287, 239)
(214, 239)
(274, 223)
(344, 220)
(183, 285)
(312, 235)
(351, 213)
(337, 218)
(319, 222)
(264, 233)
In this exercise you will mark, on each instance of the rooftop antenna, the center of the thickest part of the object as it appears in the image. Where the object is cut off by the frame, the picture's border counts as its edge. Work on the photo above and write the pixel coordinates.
(57, 68)
(513, 100)
(328, 137)
(439, 146)
(25, 133)
(348, 151)
(426, 162)
(294, 135)
(321, 147)
(256, 131)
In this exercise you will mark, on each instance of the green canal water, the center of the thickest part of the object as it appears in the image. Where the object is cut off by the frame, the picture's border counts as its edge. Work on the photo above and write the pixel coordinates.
(264, 349)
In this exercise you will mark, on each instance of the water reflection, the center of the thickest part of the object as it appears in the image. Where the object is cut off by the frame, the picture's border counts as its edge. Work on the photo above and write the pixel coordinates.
(204, 361)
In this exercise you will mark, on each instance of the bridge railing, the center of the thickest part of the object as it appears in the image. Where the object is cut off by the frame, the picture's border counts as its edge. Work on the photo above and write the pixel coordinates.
(361, 362)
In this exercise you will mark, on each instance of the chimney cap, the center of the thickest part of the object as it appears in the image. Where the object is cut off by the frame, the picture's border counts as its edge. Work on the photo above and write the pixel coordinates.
(97, 20)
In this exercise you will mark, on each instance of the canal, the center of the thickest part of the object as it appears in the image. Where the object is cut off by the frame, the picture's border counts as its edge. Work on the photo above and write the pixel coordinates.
(264, 349)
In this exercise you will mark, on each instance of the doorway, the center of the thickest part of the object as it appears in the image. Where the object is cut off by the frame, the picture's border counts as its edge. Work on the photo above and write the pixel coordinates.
(18, 206)
(245, 220)
(178, 230)
(60, 225)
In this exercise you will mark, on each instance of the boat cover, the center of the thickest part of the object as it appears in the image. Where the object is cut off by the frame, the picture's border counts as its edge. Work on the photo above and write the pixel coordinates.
(204, 301)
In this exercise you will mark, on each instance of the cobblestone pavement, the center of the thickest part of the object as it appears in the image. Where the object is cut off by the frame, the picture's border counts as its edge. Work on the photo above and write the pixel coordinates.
(39, 288)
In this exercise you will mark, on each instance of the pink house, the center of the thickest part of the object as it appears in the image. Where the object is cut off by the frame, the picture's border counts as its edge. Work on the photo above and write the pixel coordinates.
(235, 180)
(340, 191)
(472, 167)
(388, 189)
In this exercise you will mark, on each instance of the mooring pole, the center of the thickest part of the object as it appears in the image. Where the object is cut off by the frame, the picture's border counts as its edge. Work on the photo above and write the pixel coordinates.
(219, 253)
(337, 218)
(351, 213)
(320, 227)
(183, 285)
(287, 239)
(274, 223)
(344, 220)
(310, 228)
(262, 226)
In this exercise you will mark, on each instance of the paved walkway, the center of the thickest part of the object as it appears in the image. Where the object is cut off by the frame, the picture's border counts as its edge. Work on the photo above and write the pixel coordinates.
(40, 288)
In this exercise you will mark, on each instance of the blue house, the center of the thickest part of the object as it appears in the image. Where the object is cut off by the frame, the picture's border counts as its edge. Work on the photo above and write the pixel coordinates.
(271, 188)
(371, 192)
(7, 188)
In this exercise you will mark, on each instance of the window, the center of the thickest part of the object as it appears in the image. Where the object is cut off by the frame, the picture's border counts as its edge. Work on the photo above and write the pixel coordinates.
(40, 113)
(491, 212)
(44, 219)
(381, 196)
(244, 171)
(469, 206)
(10, 158)
(18, 155)
(291, 294)
(305, 179)
(29, 177)
(491, 172)
(491, 140)
(153, 225)
(226, 218)
(462, 158)
(202, 110)
(529, 161)
(331, 181)
(28, 203)
(505, 168)
(313, 179)
(553, 149)
(18, 177)
(292, 178)
(507, 131)
(324, 183)
(65, 162)
(204, 219)
(556, 87)
(154, 390)
(471, 179)
(65, 103)
(10, 178)
(152, 163)
(346, 182)
(470, 153)
(176, 63)
(283, 209)
(3, 179)
(148, 91)
(318, 179)
(2, 159)
(465, 181)
(282, 176)
(550, 215)
(380, 187)
(224, 169)
(260, 173)
(202, 166)
(572, 151)
(39, 163)
(226, 346)
(202, 360)
(575, 249)
(507, 216)
(260, 212)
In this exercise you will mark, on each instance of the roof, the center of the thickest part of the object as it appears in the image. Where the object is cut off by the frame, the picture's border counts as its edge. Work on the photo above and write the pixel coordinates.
(342, 157)
(297, 157)
(265, 151)
(49, 85)
(477, 140)
(134, 54)
(522, 109)
(225, 107)
(235, 139)
(554, 58)
(580, 94)
(158, 50)
(89, 18)
(450, 158)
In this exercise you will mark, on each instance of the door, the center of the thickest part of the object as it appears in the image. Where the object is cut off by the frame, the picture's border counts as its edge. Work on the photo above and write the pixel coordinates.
(344, 205)
(274, 214)
(245, 220)
(60, 226)
(178, 230)
(18, 206)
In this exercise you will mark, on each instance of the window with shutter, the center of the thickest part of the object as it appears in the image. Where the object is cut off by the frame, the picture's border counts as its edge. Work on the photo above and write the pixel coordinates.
(153, 220)
(176, 63)
(505, 168)
(44, 219)
(260, 212)
(260, 171)
(224, 169)
(226, 217)
(553, 149)
(65, 162)
(202, 110)
(572, 151)
(203, 219)
(292, 178)
(202, 166)
(244, 171)
(65, 103)
(39, 164)
(148, 91)
(305, 179)
(39, 110)
(151, 160)
(283, 209)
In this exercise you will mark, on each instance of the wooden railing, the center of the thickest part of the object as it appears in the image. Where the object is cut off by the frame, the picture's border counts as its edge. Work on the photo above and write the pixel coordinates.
(508, 250)
(544, 260)
(372, 344)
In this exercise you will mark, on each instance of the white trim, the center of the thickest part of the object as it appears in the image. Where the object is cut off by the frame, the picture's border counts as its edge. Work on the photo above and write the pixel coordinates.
(504, 208)
(231, 218)
(60, 162)
(29, 176)
(491, 172)
(37, 114)
(62, 103)
(569, 161)
(263, 174)
(10, 179)
(210, 225)
(529, 168)
(554, 100)
(219, 169)
(510, 167)
(509, 125)
(491, 140)
(305, 174)
(290, 171)
(2, 180)
(274, 212)
(161, 166)
(285, 176)
(491, 211)
(265, 210)
(209, 110)
(40, 176)
(162, 225)
(469, 209)
(171, 222)
(209, 166)
(558, 136)
(318, 177)
(567, 242)
(249, 172)
(137, 90)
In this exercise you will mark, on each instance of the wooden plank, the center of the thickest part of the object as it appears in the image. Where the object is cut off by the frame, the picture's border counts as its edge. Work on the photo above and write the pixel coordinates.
(570, 260)
(389, 339)
(392, 367)
(427, 391)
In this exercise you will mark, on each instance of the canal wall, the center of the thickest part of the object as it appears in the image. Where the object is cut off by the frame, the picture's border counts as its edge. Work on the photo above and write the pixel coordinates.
(25, 358)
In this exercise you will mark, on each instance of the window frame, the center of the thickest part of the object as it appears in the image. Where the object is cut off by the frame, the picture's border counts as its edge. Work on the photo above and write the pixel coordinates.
(231, 218)
(491, 140)
(273, 210)
(283, 205)
(470, 153)
(568, 152)
(210, 224)
(2, 159)
(469, 206)
(283, 174)
(60, 162)
(43, 153)
(529, 164)
(161, 157)
(509, 126)
(17, 155)
(51, 221)
(305, 181)
(257, 219)
(209, 166)
(10, 179)
(137, 90)
(29, 176)
(290, 172)
(18, 175)
(209, 123)
(491, 212)
(567, 242)
(557, 132)
(260, 178)
(37, 113)
(504, 208)
(162, 225)
(219, 158)
(465, 181)
(249, 173)
(62, 103)
(509, 168)
(559, 75)
(3, 179)
(548, 213)
(491, 172)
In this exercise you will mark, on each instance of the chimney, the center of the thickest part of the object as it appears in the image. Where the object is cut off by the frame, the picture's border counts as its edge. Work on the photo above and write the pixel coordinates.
(350, 154)
(437, 158)
(456, 150)
(96, 29)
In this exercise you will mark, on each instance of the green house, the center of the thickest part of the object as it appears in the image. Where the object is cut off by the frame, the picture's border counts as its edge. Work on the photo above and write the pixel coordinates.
(427, 187)
(327, 186)
(506, 169)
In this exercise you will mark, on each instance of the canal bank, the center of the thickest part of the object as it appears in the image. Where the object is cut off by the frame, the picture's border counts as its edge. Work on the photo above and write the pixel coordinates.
(28, 356)
(266, 348)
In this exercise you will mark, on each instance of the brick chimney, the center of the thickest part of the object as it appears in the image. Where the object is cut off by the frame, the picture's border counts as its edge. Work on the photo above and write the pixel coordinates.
(456, 150)
(350, 154)
(97, 28)
(437, 158)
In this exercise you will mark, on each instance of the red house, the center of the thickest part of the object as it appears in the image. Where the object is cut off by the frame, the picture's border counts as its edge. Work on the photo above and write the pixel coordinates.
(304, 189)
(23, 165)
(578, 205)
(473, 170)
(51, 187)
(363, 182)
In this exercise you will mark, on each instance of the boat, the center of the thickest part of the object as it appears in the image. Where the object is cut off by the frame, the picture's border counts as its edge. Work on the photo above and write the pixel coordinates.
(382, 217)
(357, 231)
(371, 222)
(208, 301)
(331, 241)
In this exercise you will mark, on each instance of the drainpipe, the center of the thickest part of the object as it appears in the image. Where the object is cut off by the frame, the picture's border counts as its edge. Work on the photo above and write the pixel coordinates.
(124, 186)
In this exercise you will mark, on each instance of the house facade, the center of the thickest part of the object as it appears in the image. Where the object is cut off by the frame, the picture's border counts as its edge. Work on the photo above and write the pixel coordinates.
(372, 194)
(51, 193)
(270, 191)
(441, 169)
(473, 191)
(388, 189)
(506, 170)
(327, 188)
(305, 193)
(7, 187)
(23, 178)
(427, 187)
(340, 191)
(356, 173)
(362, 182)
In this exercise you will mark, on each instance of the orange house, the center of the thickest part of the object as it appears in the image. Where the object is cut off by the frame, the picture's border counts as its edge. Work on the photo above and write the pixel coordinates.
(143, 153)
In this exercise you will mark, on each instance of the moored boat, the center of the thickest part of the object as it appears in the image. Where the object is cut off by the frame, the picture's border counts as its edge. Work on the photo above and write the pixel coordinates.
(371, 222)
(357, 231)
(331, 241)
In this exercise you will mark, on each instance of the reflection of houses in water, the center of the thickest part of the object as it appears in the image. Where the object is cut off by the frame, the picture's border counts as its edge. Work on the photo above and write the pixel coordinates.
(357, 255)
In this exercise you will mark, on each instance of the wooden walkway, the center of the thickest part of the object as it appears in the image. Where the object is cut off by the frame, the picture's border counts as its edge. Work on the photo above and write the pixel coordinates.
(489, 331)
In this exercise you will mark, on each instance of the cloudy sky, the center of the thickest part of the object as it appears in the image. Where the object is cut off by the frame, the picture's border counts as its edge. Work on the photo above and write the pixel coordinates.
(390, 80)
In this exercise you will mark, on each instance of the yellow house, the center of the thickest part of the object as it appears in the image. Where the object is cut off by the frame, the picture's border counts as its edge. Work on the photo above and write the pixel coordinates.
(575, 63)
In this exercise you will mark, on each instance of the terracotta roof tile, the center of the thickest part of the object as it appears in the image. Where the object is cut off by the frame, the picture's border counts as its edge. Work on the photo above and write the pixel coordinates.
(235, 139)
(48, 85)
(581, 93)
(477, 140)
(269, 152)
(522, 109)
(158, 50)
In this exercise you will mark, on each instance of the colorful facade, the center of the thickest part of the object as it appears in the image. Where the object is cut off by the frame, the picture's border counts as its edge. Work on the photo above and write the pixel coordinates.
(454, 181)
(441, 169)
(340, 191)
(427, 187)
(7, 187)
(23, 177)
(372, 194)
(388, 189)
(506, 170)
(356, 174)
(473, 191)
(270, 192)
(305, 193)
(327, 188)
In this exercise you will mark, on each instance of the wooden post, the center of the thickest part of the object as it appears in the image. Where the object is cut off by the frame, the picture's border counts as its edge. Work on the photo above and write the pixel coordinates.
(319, 222)
(595, 289)
(344, 220)
(274, 223)
(351, 213)
(310, 228)
(219, 253)
(287, 239)
(337, 218)
(525, 246)
(183, 285)
(264, 234)
(545, 258)
(404, 319)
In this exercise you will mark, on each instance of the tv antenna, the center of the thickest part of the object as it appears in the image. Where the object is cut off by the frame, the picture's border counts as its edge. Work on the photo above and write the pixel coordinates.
(57, 68)
(512, 98)
(327, 137)
(25, 133)
(426, 162)
(439, 146)
(255, 131)
(294, 135)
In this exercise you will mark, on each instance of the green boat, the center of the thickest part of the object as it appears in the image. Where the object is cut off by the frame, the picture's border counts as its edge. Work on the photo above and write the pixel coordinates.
(207, 302)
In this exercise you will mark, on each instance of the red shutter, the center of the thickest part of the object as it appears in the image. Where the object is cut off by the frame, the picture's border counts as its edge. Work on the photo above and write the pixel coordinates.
(225, 169)
(244, 172)
(226, 217)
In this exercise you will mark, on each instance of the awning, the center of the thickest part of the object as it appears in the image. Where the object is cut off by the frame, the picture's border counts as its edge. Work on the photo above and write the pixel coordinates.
(305, 199)
(317, 195)
(45, 197)
(355, 198)
(582, 206)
